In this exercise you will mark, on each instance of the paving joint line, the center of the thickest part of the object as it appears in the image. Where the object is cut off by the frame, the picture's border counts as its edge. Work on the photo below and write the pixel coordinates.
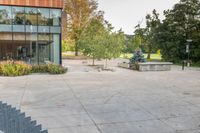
(95, 124)
(24, 91)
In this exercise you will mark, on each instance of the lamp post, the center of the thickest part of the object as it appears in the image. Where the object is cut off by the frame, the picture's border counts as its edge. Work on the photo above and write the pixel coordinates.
(189, 41)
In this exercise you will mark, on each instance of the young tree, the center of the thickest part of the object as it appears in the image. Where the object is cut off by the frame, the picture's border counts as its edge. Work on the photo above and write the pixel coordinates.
(145, 36)
(152, 22)
(79, 14)
(141, 37)
(113, 43)
(99, 42)
(91, 38)
(132, 43)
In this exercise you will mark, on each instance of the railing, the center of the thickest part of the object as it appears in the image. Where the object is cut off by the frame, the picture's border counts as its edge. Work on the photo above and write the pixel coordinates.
(13, 121)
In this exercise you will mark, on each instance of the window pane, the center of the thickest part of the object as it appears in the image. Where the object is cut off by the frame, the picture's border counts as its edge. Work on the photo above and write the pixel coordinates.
(5, 28)
(43, 16)
(18, 28)
(18, 15)
(5, 15)
(31, 37)
(19, 36)
(43, 37)
(55, 15)
(55, 29)
(5, 36)
(31, 16)
(31, 29)
(43, 29)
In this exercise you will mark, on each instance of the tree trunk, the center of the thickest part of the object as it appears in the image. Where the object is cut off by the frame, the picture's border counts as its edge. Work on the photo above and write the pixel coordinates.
(76, 47)
(149, 52)
(76, 50)
(93, 60)
(106, 65)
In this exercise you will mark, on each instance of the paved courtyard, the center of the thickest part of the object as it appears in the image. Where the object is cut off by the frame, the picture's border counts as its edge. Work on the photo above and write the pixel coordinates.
(125, 101)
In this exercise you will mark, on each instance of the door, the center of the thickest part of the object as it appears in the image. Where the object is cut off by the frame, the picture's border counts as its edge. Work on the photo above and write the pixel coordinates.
(43, 53)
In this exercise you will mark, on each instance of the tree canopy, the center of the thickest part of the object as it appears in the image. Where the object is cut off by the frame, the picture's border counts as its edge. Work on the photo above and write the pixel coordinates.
(170, 36)
(79, 14)
(180, 24)
(99, 42)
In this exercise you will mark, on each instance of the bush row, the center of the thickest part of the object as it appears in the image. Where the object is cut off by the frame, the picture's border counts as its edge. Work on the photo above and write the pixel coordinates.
(19, 68)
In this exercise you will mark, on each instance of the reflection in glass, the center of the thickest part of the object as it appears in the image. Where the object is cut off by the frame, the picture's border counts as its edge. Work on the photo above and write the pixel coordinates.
(5, 28)
(18, 28)
(43, 37)
(30, 34)
(55, 29)
(5, 15)
(5, 36)
(18, 15)
(31, 16)
(43, 29)
(43, 16)
(44, 52)
(31, 37)
(19, 36)
(55, 17)
(30, 28)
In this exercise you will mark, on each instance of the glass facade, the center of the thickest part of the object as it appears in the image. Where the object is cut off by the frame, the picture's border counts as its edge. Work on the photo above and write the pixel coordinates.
(30, 34)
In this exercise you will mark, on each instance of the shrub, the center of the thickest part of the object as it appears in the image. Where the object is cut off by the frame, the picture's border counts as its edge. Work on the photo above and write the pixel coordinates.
(50, 68)
(56, 69)
(39, 68)
(14, 68)
(19, 68)
(137, 57)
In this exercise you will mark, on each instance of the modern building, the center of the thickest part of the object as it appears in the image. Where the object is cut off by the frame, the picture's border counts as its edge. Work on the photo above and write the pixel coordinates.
(30, 30)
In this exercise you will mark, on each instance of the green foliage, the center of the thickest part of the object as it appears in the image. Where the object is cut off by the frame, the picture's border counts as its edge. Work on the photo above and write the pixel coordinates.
(99, 42)
(137, 57)
(14, 68)
(132, 43)
(56, 69)
(67, 45)
(181, 23)
(90, 41)
(79, 15)
(113, 43)
(19, 68)
(144, 37)
(39, 68)
(196, 64)
(49, 68)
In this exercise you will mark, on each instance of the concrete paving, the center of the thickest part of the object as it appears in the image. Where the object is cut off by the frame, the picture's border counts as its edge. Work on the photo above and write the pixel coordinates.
(88, 101)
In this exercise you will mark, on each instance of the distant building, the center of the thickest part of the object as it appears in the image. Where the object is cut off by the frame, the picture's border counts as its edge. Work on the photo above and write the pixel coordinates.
(30, 30)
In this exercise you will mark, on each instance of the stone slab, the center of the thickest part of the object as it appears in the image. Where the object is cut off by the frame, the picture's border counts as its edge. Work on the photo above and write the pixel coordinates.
(124, 65)
(155, 66)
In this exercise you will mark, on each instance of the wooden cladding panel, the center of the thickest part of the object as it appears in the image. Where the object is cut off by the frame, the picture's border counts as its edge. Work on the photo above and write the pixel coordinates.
(36, 3)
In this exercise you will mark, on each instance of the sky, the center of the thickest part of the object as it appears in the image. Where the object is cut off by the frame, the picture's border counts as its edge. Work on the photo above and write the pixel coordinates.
(126, 14)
